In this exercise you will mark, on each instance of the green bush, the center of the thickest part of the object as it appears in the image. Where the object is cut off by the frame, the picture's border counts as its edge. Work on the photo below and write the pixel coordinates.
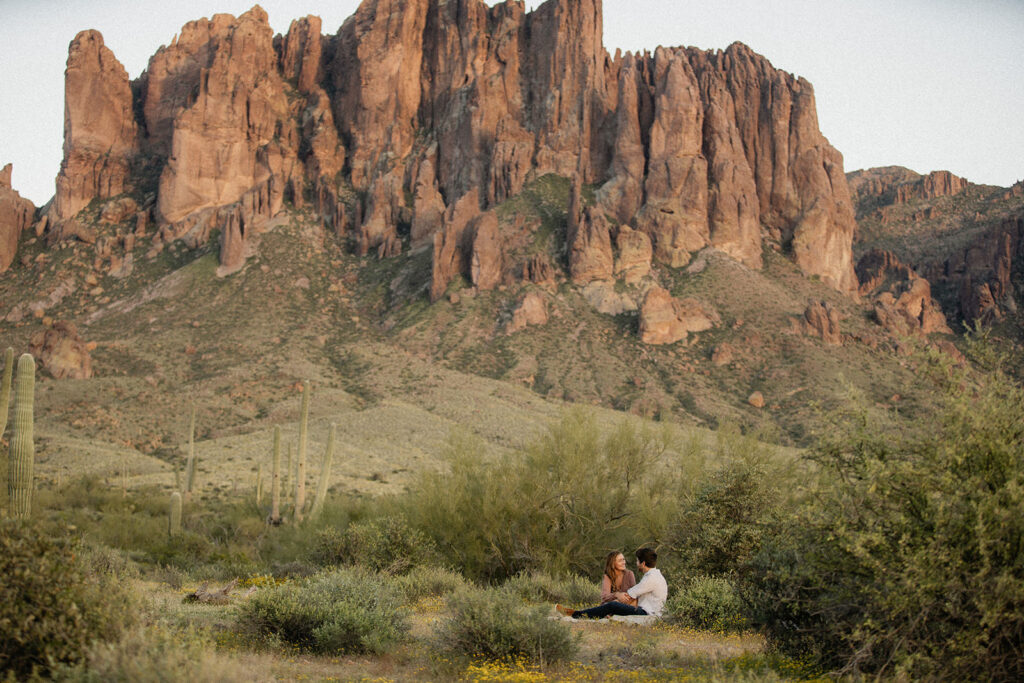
(51, 606)
(907, 561)
(542, 587)
(387, 544)
(152, 654)
(428, 581)
(710, 603)
(558, 506)
(344, 611)
(724, 518)
(495, 624)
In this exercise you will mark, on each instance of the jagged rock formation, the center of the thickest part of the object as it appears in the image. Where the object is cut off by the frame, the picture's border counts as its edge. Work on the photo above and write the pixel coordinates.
(416, 104)
(902, 299)
(16, 215)
(821, 319)
(100, 133)
(61, 352)
(981, 273)
(667, 320)
(935, 184)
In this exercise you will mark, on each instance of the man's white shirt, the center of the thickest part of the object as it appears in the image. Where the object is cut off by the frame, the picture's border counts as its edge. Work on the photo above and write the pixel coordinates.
(651, 593)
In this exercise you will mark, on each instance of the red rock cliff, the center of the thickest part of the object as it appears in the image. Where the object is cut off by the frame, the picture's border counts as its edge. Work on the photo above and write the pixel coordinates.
(415, 104)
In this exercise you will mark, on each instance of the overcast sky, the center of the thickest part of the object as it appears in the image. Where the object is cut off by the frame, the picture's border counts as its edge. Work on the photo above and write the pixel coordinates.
(927, 84)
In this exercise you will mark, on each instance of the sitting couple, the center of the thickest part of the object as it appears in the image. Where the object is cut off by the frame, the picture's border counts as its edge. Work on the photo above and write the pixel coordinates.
(621, 594)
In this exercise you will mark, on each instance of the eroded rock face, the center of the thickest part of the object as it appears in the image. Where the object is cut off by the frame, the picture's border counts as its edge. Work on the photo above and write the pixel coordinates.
(902, 299)
(935, 184)
(666, 320)
(224, 144)
(16, 214)
(61, 352)
(633, 261)
(100, 134)
(822, 320)
(532, 309)
(416, 104)
(981, 273)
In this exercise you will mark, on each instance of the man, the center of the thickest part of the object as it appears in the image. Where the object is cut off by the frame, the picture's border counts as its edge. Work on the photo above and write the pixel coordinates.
(646, 598)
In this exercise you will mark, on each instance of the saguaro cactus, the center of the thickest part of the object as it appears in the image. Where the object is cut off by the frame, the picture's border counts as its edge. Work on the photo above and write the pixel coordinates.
(5, 388)
(259, 484)
(325, 474)
(300, 474)
(174, 515)
(22, 459)
(275, 481)
(190, 474)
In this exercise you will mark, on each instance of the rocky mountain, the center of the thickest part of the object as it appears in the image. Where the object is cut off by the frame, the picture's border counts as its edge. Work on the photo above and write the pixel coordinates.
(967, 240)
(487, 190)
(414, 106)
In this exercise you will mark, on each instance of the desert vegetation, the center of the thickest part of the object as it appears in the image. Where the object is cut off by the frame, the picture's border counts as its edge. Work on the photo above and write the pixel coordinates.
(879, 551)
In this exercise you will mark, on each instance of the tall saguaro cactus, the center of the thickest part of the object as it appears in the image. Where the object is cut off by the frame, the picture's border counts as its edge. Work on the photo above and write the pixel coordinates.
(5, 388)
(22, 459)
(300, 474)
(174, 515)
(275, 483)
(190, 474)
(325, 474)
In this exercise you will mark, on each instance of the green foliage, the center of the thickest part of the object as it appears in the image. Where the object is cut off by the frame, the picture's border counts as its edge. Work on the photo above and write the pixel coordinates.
(908, 559)
(325, 474)
(387, 544)
(51, 605)
(154, 654)
(559, 506)
(428, 581)
(722, 525)
(495, 624)
(345, 611)
(542, 587)
(710, 603)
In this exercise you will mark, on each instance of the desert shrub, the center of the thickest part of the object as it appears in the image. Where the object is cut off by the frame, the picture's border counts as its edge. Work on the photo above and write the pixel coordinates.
(344, 611)
(725, 515)
(495, 624)
(907, 561)
(51, 605)
(558, 506)
(708, 602)
(153, 654)
(542, 587)
(388, 544)
(428, 581)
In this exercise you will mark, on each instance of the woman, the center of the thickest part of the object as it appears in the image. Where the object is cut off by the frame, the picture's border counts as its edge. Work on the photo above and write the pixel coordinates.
(616, 579)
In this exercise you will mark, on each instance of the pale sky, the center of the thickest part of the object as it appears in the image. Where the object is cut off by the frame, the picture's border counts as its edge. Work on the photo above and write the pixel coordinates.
(927, 84)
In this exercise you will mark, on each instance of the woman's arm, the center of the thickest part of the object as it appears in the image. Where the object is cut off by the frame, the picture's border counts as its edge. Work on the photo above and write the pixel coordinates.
(606, 590)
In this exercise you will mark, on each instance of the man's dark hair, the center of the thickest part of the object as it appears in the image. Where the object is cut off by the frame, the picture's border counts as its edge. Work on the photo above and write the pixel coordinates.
(647, 556)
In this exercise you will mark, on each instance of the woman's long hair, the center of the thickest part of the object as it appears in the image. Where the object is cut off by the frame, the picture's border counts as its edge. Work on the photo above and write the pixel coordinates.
(613, 574)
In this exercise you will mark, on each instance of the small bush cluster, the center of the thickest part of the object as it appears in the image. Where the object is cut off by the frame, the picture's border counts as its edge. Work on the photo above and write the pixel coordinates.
(710, 603)
(428, 581)
(386, 544)
(345, 611)
(495, 624)
(542, 587)
(51, 604)
(154, 654)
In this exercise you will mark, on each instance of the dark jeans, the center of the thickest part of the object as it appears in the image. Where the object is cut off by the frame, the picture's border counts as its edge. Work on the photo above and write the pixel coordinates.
(607, 610)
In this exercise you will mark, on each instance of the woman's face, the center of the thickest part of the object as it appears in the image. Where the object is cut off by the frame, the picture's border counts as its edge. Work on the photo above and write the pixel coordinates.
(620, 562)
